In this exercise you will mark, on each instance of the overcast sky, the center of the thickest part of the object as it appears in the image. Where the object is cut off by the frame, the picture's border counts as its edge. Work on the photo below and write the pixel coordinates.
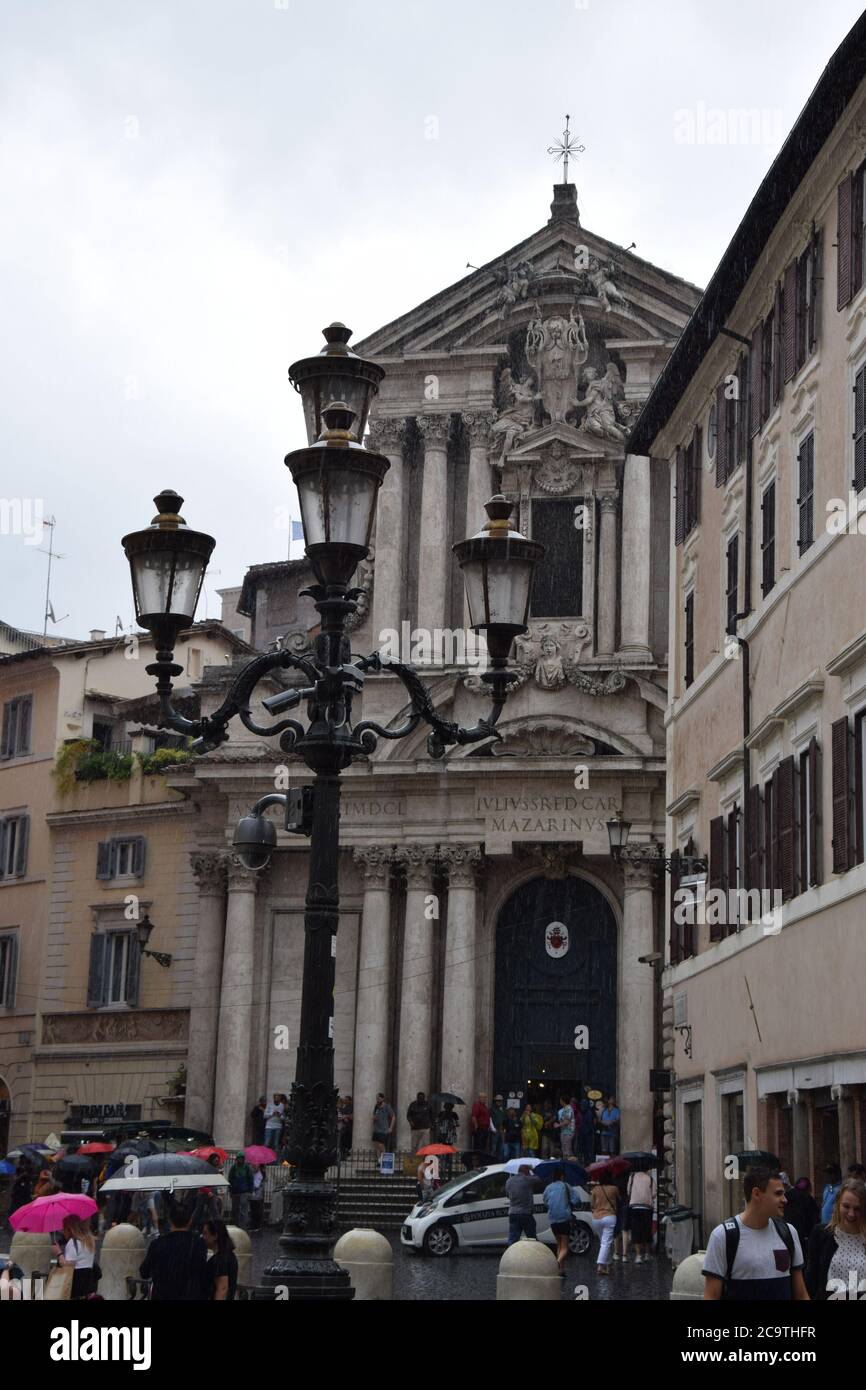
(191, 189)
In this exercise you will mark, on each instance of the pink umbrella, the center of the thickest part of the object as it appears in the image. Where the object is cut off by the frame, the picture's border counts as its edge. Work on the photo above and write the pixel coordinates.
(259, 1153)
(48, 1213)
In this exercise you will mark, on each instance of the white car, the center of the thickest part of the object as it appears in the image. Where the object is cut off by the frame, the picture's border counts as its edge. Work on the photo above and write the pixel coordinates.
(472, 1211)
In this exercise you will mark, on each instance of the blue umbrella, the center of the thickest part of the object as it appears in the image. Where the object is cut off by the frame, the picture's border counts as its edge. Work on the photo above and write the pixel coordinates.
(572, 1172)
(6, 1168)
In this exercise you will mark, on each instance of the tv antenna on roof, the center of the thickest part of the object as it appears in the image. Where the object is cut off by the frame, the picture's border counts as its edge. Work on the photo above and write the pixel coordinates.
(52, 554)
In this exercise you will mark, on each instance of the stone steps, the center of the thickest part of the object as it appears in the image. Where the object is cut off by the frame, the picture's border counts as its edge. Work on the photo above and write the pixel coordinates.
(375, 1201)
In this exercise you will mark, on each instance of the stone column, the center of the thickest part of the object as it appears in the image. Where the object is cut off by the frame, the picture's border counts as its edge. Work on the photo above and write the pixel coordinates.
(434, 560)
(481, 487)
(801, 1158)
(847, 1133)
(458, 1008)
(636, 1005)
(636, 559)
(416, 1002)
(387, 438)
(606, 608)
(231, 1100)
(372, 1012)
(210, 875)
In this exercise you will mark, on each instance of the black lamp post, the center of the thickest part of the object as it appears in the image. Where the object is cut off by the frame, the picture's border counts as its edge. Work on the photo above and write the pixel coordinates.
(143, 928)
(337, 482)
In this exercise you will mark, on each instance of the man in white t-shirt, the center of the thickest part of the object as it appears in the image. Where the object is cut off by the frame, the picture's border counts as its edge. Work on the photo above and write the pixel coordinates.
(756, 1255)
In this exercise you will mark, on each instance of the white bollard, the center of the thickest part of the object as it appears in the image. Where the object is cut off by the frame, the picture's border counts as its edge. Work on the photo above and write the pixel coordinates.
(688, 1280)
(368, 1260)
(123, 1250)
(244, 1252)
(528, 1270)
(31, 1250)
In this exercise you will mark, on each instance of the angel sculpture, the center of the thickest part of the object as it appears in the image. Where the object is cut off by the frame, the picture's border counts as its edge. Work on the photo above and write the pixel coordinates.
(515, 418)
(601, 278)
(598, 402)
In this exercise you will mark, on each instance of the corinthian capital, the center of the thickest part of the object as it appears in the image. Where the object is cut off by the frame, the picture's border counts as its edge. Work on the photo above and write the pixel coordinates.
(608, 501)
(418, 862)
(375, 862)
(435, 430)
(240, 878)
(386, 434)
(209, 871)
(462, 863)
(477, 425)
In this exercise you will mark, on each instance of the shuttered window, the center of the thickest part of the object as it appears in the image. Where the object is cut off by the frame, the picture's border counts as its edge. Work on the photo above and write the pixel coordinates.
(806, 498)
(804, 264)
(15, 734)
(689, 645)
(123, 857)
(844, 239)
(786, 829)
(742, 410)
(807, 818)
(776, 356)
(115, 965)
(789, 315)
(840, 742)
(688, 486)
(675, 927)
(732, 566)
(858, 798)
(717, 876)
(734, 874)
(14, 838)
(754, 846)
(769, 835)
(768, 538)
(859, 480)
(756, 358)
(8, 968)
(768, 339)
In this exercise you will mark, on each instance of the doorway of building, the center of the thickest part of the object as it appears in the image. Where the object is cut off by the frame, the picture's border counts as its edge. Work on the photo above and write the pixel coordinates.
(555, 991)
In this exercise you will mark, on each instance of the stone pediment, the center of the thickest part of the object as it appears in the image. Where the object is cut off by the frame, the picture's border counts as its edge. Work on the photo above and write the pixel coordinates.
(560, 266)
(559, 442)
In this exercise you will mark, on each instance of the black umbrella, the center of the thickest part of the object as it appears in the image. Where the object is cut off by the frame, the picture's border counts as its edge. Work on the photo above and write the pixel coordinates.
(75, 1166)
(445, 1098)
(757, 1158)
(169, 1165)
(138, 1148)
(641, 1161)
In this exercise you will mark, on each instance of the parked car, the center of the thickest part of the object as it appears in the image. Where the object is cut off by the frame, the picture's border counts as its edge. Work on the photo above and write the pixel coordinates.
(472, 1211)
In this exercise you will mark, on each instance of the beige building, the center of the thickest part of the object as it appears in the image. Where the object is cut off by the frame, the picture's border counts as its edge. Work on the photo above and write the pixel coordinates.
(487, 938)
(82, 831)
(761, 417)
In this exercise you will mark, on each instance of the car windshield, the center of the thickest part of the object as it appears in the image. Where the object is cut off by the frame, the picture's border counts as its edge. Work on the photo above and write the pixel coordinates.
(448, 1187)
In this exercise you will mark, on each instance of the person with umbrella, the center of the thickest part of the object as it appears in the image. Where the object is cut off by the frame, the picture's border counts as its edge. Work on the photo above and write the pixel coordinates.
(559, 1201)
(240, 1177)
(447, 1126)
(604, 1204)
(177, 1261)
(21, 1191)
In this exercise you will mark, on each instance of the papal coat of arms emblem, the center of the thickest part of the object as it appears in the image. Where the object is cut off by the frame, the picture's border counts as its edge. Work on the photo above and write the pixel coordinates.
(556, 939)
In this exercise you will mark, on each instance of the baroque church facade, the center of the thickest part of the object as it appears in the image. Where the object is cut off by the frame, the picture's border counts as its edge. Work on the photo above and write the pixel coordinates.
(488, 941)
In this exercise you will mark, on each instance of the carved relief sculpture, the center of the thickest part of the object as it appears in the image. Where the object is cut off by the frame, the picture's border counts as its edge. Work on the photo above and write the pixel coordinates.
(556, 349)
(515, 417)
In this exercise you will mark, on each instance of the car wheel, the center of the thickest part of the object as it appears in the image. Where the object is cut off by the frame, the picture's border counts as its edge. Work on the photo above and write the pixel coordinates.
(440, 1240)
(580, 1239)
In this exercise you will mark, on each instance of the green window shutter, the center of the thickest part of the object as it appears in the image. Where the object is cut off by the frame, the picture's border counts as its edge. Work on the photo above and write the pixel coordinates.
(96, 973)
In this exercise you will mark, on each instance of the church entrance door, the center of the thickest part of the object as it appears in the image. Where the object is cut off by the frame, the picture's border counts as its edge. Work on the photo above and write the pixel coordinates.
(555, 991)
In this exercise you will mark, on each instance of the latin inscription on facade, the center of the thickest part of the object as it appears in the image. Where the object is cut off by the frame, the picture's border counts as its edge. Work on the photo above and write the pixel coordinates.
(368, 807)
(563, 816)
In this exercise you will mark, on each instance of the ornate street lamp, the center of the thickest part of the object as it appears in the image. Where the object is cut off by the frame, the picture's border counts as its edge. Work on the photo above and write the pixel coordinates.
(338, 482)
(651, 854)
(143, 929)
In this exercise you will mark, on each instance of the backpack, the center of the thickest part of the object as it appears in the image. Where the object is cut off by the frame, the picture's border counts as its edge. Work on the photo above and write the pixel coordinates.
(732, 1243)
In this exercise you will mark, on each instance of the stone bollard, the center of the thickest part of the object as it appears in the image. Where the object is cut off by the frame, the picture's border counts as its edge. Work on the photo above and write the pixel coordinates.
(688, 1280)
(528, 1270)
(244, 1252)
(123, 1250)
(368, 1260)
(31, 1250)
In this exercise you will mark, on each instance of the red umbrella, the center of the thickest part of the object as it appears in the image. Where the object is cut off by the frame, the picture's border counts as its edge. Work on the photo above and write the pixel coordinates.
(96, 1148)
(49, 1213)
(612, 1167)
(209, 1150)
(259, 1153)
(435, 1149)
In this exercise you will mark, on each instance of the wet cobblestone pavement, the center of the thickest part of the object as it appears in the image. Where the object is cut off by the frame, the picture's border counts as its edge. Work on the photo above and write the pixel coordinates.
(466, 1277)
